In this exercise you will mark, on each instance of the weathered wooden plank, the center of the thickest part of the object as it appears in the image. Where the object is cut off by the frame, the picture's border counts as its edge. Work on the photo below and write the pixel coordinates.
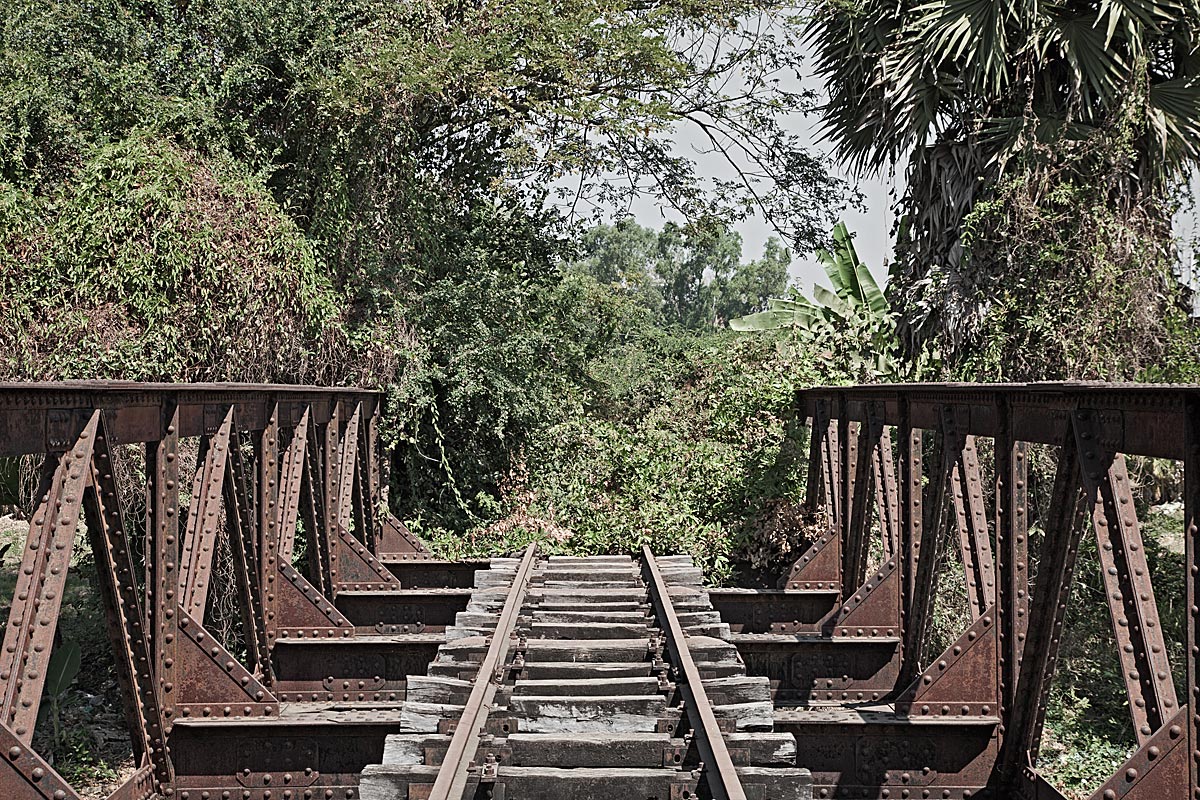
(628, 617)
(588, 630)
(409, 748)
(567, 670)
(424, 717)
(589, 686)
(622, 750)
(739, 689)
(433, 689)
(601, 714)
(748, 716)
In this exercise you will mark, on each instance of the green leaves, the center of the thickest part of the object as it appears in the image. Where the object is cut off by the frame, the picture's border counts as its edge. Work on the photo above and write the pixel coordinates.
(893, 72)
(798, 313)
(62, 669)
(854, 318)
(962, 95)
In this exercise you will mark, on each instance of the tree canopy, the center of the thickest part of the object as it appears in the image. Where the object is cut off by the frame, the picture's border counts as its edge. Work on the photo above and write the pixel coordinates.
(689, 276)
(1006, 115)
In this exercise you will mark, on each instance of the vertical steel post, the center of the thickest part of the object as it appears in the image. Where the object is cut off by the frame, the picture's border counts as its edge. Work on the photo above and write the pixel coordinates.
(912, 515)
(1013, 550)
(921, 607)
(162, 556)
(267, 456)
(1191, 527)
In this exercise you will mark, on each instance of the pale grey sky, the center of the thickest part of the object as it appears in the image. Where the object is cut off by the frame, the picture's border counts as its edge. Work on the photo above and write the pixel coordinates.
(872, 226)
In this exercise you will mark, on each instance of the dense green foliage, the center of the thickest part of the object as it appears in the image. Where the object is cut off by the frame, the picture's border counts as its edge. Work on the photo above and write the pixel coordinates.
(1088, 108)
(691, 276)
(852, 321)
(1087, 289)
(363, 192)
(153, 265)
(684, 442)
(398, 196)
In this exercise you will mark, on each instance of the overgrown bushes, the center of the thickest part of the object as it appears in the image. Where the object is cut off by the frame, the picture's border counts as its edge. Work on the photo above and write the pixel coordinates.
(664, 436)
(152, 262)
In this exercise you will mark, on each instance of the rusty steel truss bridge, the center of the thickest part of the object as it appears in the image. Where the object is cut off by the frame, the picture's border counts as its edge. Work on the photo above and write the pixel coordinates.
(367, 668)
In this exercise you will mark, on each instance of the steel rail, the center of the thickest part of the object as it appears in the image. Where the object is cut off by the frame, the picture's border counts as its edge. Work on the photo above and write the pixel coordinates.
(723, 779)
(451, 781)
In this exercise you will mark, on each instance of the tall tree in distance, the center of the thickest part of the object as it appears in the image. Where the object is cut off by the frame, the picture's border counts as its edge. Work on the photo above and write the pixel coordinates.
(1043, 143)
(692, 276)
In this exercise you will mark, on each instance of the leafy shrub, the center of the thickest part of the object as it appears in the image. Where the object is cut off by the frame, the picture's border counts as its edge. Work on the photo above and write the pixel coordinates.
(153, 263)
(683, 441)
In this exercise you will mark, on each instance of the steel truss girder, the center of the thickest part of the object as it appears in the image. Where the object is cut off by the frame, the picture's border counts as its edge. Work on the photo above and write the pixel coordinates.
(1015, 658)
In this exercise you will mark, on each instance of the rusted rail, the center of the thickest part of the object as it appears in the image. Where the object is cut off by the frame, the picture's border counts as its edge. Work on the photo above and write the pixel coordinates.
(722, 776)
(586, 706)
(451, 783)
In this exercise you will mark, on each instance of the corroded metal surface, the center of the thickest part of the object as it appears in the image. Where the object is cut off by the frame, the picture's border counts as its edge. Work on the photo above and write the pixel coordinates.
(348, 644)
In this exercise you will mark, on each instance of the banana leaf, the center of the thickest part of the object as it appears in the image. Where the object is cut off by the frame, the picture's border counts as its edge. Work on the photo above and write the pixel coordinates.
(62, 669)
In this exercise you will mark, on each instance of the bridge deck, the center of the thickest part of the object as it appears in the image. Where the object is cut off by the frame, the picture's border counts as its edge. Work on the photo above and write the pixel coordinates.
(362, 665)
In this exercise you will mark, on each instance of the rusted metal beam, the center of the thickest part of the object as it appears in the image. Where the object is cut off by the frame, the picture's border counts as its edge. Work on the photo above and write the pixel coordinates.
(243, 545)
(1142, 419)
(1012, 566)
(28, 412)
(883, 469)
(859, 473)
(974, 538)
(25, 775)
(289, 489)
(38, 594)
(1125, 572)
(126, 624)
(912, 517)
(162, 557)
(722, 775)
(921, 606)
(1191, 536)
(204, 518)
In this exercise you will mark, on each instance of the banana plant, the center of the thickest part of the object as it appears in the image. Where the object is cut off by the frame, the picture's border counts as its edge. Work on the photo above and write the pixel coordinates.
(60, 674)
(855, 310)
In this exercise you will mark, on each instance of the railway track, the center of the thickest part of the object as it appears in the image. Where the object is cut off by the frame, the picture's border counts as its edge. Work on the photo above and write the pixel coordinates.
(365, 667)
(597, 677)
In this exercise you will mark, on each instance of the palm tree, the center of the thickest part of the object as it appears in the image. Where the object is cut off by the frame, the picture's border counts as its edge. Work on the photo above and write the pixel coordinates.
(966, 90)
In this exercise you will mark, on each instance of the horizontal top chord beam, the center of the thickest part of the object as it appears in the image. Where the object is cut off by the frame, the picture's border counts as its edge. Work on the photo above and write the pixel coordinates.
(1136, 419)
(37, 417)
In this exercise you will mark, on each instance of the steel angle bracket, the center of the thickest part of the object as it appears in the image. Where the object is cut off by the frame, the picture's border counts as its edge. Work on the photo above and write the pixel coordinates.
(1159, 769)
(964, 680)
(304, 612)
(819, 567)
(874, 610)
(213, 684)
(359, 569)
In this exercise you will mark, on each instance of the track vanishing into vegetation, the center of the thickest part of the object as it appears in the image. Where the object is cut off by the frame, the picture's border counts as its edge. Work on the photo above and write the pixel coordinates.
(363, 666)
(588, 678)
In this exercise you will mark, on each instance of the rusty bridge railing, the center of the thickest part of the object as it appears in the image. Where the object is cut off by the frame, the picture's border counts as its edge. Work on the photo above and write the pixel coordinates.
(303, 698)
(269, 461)
(906, 462)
